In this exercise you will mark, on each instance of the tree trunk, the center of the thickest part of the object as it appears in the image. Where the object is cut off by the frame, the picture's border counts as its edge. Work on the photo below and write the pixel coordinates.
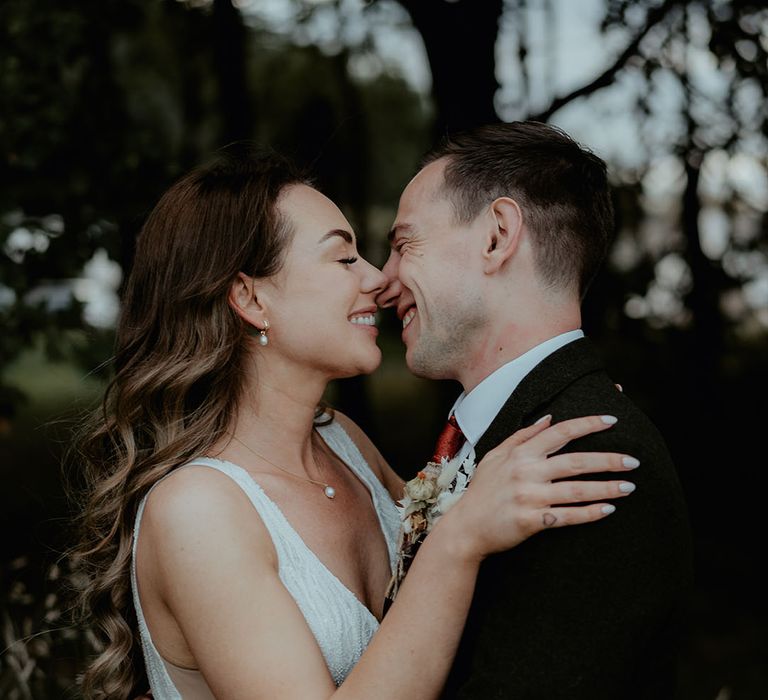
(229, 56)
(460, 40)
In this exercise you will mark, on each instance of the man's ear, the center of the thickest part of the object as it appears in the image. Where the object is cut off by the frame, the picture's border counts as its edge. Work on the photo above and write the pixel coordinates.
(504, 234)
(244, 300)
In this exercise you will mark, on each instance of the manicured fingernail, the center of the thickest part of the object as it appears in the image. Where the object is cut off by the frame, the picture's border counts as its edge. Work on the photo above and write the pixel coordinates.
(630, 462)
(607, 510)
(609, 420)
(543, 418)
(627, 487)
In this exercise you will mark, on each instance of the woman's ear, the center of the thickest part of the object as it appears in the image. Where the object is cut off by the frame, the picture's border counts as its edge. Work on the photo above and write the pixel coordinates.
(504, 234)
(244, 300)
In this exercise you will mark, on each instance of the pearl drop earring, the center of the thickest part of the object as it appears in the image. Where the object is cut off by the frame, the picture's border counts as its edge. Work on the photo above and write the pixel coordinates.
(263, 340)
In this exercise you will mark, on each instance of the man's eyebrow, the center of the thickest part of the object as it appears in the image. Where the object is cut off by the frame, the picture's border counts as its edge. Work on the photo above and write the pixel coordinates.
(346, 235)
(405, 228)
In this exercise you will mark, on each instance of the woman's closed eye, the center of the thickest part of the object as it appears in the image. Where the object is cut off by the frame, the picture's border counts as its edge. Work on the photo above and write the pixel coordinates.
(347, 261)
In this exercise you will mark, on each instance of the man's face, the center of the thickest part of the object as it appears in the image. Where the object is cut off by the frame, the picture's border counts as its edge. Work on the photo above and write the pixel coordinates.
(433, 276)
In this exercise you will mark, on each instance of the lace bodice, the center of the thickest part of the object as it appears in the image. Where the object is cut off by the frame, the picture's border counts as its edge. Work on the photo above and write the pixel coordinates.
(341, 624)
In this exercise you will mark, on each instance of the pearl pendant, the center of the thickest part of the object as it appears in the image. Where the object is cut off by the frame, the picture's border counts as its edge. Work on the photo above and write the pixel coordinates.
(330, 492)
(263, 340)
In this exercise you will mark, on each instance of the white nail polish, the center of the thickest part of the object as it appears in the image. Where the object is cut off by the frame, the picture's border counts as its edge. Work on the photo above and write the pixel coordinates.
(627, 487)
(630, 462)
(607, 510)
(543, 418)
(609, 420)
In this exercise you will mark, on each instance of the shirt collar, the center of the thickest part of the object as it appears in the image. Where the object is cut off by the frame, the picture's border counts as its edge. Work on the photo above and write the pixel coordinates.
(476, 410)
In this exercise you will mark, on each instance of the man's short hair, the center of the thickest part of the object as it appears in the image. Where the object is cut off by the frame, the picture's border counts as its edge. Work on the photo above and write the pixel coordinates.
(561, 187)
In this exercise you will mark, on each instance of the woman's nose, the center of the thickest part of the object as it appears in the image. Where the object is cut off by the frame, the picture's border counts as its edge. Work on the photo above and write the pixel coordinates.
(374, 280)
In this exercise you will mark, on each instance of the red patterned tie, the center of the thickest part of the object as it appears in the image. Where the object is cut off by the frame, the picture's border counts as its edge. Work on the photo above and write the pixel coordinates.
(449, 441)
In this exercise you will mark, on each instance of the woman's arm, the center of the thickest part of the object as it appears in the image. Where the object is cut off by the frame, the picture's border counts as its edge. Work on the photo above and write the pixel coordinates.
(219, 578)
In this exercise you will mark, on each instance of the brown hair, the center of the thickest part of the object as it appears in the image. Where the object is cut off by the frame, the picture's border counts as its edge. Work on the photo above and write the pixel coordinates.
(179, 364)
(562, 189)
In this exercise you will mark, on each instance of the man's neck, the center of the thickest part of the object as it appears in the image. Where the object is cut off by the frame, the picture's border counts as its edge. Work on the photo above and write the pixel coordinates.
(506, 343)
(476, 410)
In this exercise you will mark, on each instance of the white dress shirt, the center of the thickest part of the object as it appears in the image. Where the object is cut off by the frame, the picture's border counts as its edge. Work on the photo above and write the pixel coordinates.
(476, 410)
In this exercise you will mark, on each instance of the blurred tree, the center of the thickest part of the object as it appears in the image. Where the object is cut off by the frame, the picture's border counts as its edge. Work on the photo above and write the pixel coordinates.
(714, 56)
(230, 40)
(460, 40)
(92, 106)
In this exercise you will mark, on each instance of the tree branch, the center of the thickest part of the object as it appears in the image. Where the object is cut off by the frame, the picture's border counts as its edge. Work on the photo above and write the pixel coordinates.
(655, 16)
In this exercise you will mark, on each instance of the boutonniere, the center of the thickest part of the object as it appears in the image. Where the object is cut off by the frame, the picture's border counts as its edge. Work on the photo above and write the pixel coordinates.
(427, 497)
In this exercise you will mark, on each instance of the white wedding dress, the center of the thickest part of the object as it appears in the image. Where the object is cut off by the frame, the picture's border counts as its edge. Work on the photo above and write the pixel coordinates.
(341, 624)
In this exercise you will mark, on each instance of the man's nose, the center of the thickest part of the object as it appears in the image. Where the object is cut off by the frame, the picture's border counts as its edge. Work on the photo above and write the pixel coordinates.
(392, 290)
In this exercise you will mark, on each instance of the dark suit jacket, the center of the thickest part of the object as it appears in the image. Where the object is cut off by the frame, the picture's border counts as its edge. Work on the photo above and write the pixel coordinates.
(588, 611)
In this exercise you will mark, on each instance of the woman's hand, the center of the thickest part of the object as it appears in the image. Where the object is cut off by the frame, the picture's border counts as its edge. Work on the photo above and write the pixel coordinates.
(514, 494)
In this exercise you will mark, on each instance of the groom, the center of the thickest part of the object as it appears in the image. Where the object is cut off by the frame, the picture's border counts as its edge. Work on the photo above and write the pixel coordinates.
(494, 245)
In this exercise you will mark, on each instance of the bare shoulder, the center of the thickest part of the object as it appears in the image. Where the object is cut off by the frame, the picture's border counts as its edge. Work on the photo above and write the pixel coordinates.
(380, 467)
(191, 492)
(200, 507)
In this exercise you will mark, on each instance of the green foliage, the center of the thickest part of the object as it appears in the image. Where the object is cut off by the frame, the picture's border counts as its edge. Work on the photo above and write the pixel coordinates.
(83, 156)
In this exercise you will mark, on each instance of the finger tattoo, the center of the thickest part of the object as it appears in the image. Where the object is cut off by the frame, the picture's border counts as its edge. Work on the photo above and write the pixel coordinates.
(548, 519)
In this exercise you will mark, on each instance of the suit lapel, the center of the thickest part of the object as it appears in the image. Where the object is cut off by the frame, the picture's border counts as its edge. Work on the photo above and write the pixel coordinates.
(538, 388)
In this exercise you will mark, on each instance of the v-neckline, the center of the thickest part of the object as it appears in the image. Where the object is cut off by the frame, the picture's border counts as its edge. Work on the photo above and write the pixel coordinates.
(299, 538)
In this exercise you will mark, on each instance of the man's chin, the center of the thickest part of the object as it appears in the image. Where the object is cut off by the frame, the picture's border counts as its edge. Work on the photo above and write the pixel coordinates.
(416, 365)
(430, 360)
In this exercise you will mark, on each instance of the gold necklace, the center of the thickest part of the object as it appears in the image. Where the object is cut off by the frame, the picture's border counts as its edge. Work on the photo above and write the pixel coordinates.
(328, 490)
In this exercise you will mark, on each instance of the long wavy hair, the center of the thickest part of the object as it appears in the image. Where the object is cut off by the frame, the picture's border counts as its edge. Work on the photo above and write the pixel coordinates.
(178, 375)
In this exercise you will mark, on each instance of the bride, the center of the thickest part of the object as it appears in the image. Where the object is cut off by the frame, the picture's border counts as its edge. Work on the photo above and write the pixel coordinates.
(237, 540)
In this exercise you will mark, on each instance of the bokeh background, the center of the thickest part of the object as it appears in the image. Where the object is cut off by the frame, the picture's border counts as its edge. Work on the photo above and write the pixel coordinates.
(105, 102)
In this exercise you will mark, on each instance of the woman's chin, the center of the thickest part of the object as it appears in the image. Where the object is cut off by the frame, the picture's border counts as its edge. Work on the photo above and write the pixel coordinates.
(365, 366)
(373, 366)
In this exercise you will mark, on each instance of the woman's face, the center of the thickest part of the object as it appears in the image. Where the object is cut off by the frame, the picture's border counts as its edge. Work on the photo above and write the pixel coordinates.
(323, 307)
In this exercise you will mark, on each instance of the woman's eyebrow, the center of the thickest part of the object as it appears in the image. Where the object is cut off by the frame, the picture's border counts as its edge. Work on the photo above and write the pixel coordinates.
(346, 235)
